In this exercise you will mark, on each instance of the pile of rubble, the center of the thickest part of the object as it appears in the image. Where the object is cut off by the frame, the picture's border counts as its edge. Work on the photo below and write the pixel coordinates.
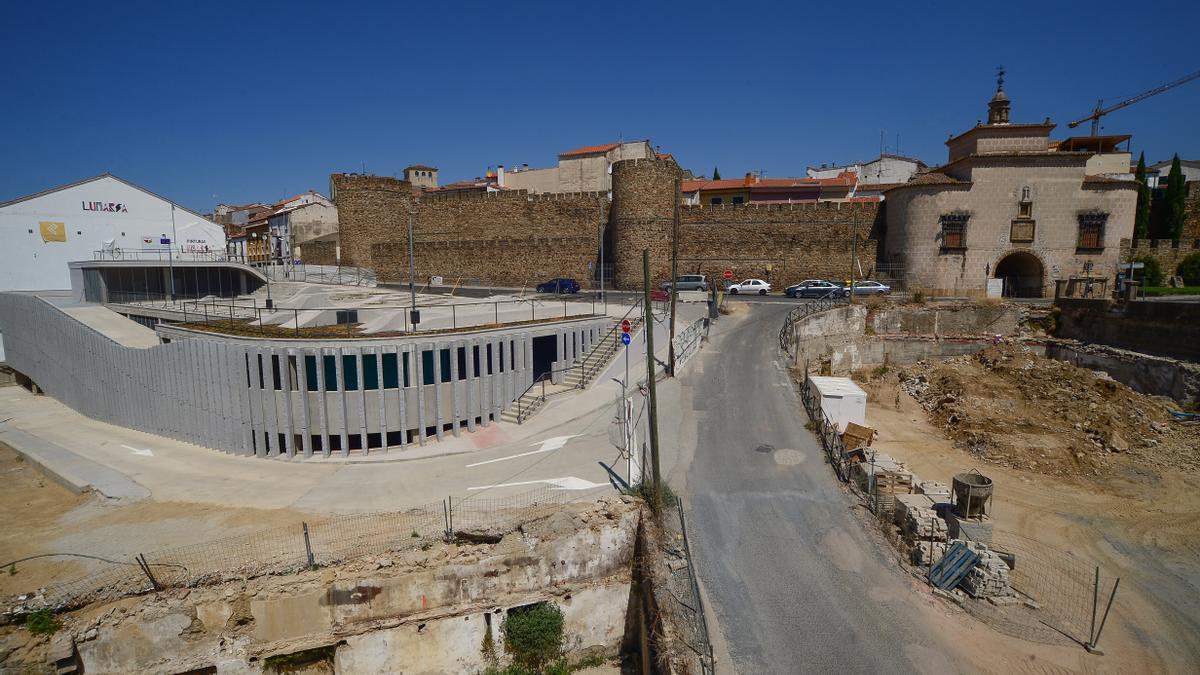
(1012, 407)
(990, 575)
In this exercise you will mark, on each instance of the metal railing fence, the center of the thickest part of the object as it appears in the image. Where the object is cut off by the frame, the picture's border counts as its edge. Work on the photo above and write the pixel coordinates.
(830, 301)
(254, 315)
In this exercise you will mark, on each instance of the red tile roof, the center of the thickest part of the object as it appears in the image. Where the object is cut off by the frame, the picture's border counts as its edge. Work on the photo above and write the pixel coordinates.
(590, 150)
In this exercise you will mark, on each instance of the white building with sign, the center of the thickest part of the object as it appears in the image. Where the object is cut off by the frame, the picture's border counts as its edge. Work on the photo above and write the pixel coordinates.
(101, 216)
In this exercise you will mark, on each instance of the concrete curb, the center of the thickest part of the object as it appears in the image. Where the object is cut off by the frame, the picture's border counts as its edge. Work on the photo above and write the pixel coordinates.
(75, 473)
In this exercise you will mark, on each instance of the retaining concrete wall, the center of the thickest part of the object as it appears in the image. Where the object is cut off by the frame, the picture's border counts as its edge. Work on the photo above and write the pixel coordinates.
(1153, 375)
(277, 397)
(900, 351)
(1170, 329)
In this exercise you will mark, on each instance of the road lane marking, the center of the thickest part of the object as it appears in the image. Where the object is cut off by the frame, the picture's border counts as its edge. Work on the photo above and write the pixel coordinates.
(564, 483)
(553, 443)
(143, 452)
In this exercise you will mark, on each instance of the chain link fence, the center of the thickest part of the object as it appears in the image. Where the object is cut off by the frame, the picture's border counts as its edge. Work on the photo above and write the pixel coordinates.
(1060, 597)
(290, 549)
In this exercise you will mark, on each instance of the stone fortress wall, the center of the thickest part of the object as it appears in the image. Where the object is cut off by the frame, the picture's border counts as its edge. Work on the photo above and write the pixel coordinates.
(781, 243)
(518, 239)
(506, 238)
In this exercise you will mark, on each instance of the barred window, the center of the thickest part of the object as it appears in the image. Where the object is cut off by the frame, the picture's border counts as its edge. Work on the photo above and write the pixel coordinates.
(954, 231)
(1091, 230)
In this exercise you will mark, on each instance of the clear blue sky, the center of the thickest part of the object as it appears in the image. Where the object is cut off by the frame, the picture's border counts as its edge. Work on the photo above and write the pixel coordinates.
(212, 102)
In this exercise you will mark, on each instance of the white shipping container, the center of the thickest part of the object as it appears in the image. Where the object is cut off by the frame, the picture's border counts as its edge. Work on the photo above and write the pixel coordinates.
(842, 400)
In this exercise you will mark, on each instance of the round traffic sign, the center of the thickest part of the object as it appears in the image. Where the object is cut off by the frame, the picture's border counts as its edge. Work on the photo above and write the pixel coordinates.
(625, 327)
(625, 338)
(728, 274)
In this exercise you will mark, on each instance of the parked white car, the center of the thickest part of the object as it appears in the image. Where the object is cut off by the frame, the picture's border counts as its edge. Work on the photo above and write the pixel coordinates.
(750, 286)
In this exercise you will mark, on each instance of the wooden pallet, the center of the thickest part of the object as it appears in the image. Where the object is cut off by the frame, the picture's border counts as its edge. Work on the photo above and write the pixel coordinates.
(953, 566)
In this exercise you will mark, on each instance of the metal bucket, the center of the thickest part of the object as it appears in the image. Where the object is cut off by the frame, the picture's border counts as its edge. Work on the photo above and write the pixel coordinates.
(972, 492)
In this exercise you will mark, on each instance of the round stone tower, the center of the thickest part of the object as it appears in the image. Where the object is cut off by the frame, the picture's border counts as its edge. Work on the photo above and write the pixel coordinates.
(643, 211)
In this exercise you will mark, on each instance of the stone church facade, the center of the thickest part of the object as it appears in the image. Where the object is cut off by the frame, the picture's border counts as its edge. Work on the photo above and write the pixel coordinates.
(1012, 206)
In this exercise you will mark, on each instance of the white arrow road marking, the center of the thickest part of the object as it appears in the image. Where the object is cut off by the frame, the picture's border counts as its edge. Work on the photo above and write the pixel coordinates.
(553, 443)
(565, 483)
(144, 453)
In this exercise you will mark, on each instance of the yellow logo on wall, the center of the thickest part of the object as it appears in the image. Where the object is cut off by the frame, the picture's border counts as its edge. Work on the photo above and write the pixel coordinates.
(52, 231)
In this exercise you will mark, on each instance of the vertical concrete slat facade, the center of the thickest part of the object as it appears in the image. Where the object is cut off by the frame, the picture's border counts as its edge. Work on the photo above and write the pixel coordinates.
(361, 399)
(323, 400)
(402, 367)
(382, 392)
(301, 357)
(472, 398)
(257, 421)
(456, 399)
(220, 392)
(288, 401)
(437, 390)
(419, 383)
(339, 374)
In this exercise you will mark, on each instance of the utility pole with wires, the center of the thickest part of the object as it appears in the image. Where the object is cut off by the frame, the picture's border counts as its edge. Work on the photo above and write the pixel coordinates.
(651, 397)
(674, 278)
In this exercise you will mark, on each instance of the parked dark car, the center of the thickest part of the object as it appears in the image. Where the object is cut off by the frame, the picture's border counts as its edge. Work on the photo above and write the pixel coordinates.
(790, 291)
(561, 285)
(820, 289)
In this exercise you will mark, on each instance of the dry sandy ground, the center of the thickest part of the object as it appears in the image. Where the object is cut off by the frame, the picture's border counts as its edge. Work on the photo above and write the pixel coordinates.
(1140, 524)
(51, 519)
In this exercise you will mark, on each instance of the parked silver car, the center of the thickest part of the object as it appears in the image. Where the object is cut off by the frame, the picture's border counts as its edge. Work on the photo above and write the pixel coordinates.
(868, 287)
(688, 282)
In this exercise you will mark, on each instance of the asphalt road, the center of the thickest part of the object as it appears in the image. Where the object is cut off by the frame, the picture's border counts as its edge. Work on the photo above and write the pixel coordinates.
(796, 581)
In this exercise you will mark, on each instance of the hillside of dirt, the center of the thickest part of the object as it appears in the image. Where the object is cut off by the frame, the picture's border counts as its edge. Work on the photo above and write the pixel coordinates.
(1009, 406)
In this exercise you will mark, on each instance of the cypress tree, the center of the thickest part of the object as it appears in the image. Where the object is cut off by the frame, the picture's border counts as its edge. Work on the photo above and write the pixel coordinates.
(716, 173)
(1141, 220)
(1176, 195)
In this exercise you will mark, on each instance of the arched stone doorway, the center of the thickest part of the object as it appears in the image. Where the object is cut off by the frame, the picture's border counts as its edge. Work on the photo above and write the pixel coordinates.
(1023, 275)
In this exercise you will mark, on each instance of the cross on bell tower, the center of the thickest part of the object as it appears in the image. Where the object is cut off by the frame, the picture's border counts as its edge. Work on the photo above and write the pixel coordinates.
(998, 106)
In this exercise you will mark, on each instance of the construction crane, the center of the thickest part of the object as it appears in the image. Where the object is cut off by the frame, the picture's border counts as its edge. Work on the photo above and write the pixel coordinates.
(1101, 111)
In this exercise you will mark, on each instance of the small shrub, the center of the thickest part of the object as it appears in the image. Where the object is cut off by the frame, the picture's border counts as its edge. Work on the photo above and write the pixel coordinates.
(42, 622)
(533, 635)
(12, 570)
(918, 297)
(414, 535)
(1152, 273)
(880, 371)
(426, 546)
(1189, 269)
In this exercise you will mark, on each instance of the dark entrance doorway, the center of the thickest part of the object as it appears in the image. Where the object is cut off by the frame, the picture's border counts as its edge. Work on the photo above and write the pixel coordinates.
(1022, 274)
(545, 353)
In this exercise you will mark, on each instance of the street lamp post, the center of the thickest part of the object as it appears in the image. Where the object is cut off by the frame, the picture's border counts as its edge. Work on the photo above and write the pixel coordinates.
(414, 313)
(170, 254)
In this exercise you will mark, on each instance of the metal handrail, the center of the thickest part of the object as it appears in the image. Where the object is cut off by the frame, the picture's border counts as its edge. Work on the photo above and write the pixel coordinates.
(540, 378)
(586, 370)
(826, 302)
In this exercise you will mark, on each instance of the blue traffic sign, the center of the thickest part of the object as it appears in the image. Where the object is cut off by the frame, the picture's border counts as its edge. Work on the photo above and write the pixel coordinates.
(625, 338)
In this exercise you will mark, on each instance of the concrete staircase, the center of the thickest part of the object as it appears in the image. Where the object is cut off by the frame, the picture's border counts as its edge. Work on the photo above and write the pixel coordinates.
(581, 374)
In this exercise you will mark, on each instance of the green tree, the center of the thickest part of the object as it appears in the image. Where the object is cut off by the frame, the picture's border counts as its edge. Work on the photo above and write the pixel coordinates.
(1189, 269)
(1141, 221)
(1152, 273)
(716, 173)
(1175, 198)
